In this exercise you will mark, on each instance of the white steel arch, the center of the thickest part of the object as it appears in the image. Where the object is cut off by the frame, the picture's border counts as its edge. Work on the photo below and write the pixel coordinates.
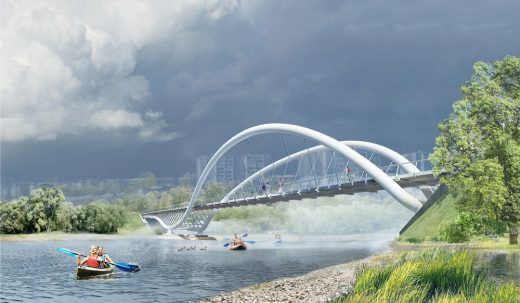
(394, 156)
(379, 176)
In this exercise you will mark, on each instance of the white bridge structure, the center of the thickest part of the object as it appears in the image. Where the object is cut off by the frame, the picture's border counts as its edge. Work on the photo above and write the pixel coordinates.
(319, 166)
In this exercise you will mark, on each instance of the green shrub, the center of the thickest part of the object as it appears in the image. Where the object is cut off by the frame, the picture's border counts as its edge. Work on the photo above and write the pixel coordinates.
(103, 218)
(455, 232)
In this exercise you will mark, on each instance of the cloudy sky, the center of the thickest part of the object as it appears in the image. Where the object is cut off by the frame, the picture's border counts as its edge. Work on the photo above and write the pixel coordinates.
(109, 89)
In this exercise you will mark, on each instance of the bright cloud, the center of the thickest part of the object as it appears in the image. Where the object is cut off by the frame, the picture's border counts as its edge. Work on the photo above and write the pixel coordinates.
(70, 67)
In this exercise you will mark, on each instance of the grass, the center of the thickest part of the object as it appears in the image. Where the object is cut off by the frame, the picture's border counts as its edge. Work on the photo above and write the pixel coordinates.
(429, 276)
(479, 243)
(426, 227)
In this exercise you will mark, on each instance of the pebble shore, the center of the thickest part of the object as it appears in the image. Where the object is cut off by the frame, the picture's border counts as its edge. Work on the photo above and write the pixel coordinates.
(322, 285)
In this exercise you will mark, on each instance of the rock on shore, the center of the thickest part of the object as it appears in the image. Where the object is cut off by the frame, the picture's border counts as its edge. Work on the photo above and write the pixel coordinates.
(321, 285)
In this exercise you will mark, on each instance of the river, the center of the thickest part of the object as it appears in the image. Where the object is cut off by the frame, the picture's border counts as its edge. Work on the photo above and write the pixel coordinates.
(32, 271)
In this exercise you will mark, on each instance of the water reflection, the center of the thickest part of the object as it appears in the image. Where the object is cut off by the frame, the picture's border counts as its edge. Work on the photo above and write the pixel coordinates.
(500, 265)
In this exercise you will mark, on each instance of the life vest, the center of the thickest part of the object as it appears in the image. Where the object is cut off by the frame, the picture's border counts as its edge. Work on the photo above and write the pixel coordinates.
(91, 262)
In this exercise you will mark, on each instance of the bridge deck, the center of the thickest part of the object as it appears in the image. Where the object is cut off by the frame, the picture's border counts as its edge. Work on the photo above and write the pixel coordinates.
(404, 180)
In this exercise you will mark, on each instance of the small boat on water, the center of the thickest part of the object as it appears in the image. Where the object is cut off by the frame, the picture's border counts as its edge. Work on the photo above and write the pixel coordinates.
(87, 272)
(238, 247)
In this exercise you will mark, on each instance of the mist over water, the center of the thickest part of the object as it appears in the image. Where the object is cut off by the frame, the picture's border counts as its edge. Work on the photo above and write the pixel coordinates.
(339, 215)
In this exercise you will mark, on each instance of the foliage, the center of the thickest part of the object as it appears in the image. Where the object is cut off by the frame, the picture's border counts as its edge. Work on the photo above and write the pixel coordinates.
(478, 149)
(42, 207)
(431, 276)
(215, 191)
(455, 232)
(46, 210)
(132, 223)
(188, 179)
(136, 202)
(180, 195)
(12, 217)
(103, 218)
(427, 226)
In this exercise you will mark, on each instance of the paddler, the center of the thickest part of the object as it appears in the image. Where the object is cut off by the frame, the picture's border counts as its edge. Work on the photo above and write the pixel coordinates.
(92, 260)
(103, 257)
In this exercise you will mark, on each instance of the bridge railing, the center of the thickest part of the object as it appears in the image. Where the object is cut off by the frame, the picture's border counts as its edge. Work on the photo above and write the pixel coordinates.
(314, 183)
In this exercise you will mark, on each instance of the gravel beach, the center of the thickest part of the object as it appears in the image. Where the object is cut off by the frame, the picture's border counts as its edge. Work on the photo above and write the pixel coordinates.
(321, 285)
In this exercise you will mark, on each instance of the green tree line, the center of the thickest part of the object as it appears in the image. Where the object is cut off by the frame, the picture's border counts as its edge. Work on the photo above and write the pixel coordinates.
(45, 209)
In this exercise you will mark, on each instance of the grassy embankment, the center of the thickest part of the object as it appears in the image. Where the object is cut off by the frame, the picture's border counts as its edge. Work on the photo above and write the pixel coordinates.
(429, 276)
(426, 227)
(425, 231)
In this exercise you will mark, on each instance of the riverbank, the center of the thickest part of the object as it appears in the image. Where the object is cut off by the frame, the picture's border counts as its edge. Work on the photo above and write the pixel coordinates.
(476, 244)
(331, 283)
(62, 236)
(321, 285)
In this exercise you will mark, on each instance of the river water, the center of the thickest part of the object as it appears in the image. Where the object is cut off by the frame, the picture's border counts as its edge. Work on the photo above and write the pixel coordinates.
(32, 271)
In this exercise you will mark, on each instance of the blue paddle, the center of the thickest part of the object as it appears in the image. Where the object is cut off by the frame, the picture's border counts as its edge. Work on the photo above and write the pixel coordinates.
(127, 267)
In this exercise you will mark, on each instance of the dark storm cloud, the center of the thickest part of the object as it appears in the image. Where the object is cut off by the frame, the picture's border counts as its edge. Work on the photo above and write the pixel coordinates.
(190, 76)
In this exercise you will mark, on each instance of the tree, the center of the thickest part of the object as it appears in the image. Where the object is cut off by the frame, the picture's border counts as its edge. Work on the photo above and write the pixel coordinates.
(12, 217)
(164, 201)
(42, 208)
(180, 195)
(215, 191)
(101, 217)
(478, 148)
(188, 179)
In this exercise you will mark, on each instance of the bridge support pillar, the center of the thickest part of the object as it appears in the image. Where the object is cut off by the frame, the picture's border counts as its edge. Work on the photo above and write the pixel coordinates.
(169, 232)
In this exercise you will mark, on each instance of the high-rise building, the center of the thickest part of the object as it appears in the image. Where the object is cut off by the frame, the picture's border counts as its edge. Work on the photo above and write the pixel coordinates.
(224, 170)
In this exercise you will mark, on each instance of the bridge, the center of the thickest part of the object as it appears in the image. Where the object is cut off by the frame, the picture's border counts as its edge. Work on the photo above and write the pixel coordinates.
(242, 173)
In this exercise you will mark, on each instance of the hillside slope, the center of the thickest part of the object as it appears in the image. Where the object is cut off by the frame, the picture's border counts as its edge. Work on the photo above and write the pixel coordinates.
(426, 226)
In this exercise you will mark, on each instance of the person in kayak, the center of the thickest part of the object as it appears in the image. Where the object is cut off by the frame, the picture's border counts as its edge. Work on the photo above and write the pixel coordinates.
(237, 241)
(104, 258)
(92, 260)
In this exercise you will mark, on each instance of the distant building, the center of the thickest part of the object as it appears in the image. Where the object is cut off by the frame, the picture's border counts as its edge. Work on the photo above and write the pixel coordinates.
(224, 170)
(255, 162)
(419, 159)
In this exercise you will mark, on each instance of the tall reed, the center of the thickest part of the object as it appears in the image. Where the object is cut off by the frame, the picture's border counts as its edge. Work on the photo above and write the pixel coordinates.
(430, 276)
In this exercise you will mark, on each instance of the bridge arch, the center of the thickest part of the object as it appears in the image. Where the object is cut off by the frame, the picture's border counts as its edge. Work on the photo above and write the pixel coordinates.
(394, 156)
(379, 176)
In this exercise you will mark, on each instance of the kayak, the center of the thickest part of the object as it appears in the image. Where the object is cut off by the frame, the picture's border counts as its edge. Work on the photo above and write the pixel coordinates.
(238, 247)
(87, 272)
